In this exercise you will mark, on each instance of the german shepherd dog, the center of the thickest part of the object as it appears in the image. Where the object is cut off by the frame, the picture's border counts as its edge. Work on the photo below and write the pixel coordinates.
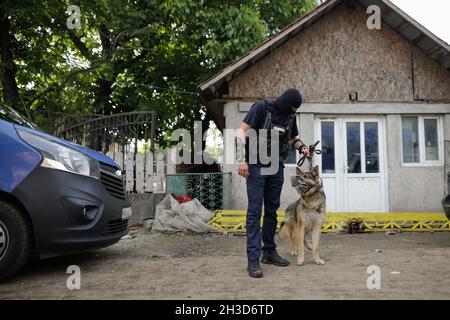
(306, 215)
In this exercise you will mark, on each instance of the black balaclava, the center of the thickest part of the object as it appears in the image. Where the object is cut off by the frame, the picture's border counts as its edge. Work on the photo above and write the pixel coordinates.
(290, 98)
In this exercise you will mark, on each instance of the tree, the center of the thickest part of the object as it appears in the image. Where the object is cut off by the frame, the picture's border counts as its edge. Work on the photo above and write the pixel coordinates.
(140, 55)
(8, 68)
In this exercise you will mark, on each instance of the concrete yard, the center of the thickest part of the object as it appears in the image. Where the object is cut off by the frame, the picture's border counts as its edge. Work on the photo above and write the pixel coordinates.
(157, 266)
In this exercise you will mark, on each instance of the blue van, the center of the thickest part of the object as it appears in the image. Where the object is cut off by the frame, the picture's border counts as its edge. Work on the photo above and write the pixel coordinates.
(56, 197)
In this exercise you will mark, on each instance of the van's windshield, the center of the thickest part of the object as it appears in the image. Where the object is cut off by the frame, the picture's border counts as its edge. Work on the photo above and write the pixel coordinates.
(11, 115)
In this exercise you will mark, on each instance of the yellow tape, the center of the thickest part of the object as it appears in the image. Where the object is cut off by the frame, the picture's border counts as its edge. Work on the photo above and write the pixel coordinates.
(233, 221)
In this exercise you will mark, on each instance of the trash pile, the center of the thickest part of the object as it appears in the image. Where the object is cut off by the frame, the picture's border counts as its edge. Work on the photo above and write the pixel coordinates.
(175, 214)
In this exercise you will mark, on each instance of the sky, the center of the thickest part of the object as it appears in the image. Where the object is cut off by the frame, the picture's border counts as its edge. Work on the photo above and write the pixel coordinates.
(432, 14)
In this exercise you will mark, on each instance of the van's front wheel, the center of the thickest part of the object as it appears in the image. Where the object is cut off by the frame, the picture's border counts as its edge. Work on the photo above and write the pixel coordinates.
(15, 239)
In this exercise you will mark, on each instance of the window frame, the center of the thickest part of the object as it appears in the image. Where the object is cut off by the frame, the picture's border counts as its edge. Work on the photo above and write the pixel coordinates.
(421, 132)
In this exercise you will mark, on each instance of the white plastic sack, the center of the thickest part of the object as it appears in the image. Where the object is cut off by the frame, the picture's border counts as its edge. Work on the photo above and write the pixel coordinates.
(171, 216)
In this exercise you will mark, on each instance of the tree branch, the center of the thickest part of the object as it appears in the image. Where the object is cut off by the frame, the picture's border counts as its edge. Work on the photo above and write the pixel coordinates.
(80, 46)
(59, 87)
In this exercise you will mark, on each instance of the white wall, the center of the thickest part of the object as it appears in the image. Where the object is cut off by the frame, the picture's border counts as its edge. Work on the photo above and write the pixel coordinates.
(412, 189)
(415, 189)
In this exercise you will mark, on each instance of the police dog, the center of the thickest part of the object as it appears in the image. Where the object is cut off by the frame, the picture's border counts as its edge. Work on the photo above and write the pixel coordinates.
(306, 215)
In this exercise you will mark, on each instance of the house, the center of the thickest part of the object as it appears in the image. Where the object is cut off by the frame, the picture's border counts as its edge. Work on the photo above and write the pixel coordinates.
(377, 99)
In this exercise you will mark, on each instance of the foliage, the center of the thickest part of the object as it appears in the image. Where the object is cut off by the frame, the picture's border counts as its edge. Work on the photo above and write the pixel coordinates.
(131, 55)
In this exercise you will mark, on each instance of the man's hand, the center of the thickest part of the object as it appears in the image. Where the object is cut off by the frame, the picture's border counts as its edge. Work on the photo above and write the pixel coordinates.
(298, 144)
(243, 169)
(305, 151)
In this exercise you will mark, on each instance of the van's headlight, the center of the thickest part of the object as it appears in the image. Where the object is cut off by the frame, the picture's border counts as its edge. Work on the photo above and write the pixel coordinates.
(60, 157)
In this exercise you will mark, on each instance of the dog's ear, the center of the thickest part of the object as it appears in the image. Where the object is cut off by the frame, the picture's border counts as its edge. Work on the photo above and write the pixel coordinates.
(299, 171)
(316, 170)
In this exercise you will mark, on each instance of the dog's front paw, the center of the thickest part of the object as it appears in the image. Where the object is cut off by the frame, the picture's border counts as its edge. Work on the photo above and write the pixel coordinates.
(308, 245)
(319, 261)
(300, 262)
(293, 253)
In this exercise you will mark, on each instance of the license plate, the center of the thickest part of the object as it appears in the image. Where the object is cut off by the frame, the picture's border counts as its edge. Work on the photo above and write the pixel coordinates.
(126, 213)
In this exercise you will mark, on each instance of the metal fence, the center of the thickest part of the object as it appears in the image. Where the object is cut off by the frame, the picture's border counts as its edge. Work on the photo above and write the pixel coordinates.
(99, 132)
(213, 190)
(128, 138)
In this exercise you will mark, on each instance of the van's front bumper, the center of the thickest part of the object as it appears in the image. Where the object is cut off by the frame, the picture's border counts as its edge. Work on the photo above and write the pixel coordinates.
(71, 212)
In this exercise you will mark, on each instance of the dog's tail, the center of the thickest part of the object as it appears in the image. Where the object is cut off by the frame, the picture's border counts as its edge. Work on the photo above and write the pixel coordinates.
(283, 233)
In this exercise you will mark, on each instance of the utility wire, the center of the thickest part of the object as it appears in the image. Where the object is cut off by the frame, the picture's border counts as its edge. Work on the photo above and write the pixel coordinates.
(168, 89)
(179, 91)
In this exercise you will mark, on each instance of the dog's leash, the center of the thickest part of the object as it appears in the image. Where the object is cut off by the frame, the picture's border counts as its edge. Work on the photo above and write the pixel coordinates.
(312, 151)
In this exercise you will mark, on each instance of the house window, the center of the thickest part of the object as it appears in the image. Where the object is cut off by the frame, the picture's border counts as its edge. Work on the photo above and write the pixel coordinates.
(371, 147)
(410, 136)
(353, 147)
(421, 140)
(431, 139)
(327, 141)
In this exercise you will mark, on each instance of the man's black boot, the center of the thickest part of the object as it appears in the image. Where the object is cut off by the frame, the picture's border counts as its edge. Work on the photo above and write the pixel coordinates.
(254, 269)
(272, 257)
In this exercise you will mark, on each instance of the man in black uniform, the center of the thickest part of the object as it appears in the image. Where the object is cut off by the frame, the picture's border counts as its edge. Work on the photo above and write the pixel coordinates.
(262, 188)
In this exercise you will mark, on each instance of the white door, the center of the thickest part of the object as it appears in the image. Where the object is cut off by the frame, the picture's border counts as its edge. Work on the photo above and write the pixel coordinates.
(352, 163)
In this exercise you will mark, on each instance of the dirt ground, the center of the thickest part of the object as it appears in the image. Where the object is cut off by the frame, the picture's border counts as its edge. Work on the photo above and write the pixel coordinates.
(157, 266)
